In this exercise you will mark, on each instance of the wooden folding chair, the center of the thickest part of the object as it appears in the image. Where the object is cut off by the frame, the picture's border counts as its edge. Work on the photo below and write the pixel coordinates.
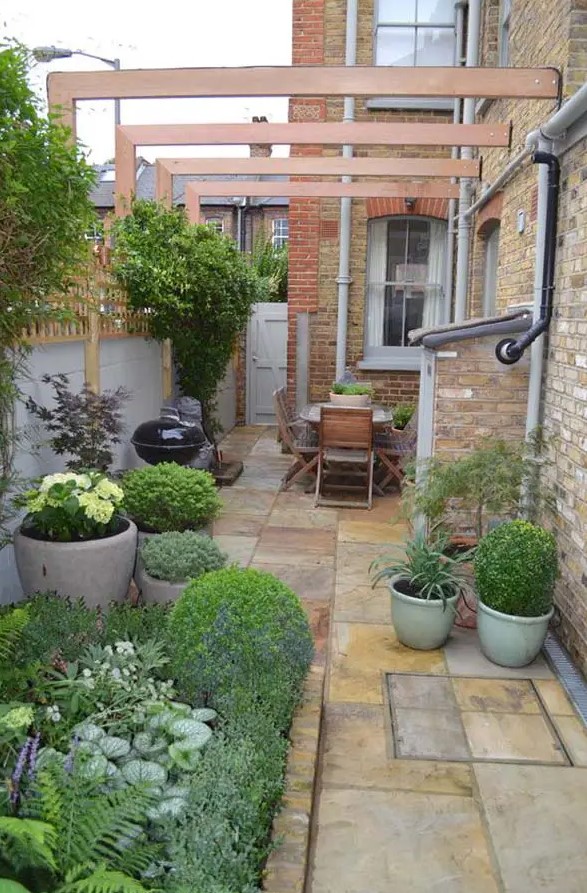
(345, 451)
(393, 449)
(300, 441)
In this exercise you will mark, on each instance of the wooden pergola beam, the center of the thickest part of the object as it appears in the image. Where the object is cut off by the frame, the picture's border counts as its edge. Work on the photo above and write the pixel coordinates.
(65, 88)
(356, 133)
(196, 190)
(330, 166)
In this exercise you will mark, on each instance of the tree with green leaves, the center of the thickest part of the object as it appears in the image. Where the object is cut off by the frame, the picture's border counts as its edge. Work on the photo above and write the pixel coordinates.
(271, 264)
(45, 212)
(197, 285)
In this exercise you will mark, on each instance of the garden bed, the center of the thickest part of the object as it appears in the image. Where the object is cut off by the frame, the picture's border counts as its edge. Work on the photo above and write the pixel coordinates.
(141, 752)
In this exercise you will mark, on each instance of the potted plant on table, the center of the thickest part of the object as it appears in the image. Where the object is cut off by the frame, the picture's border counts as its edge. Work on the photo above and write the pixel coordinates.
(425, 586)
(350, 394)
(516, 567)
(402, 413)
(74, 541)
(167, 561)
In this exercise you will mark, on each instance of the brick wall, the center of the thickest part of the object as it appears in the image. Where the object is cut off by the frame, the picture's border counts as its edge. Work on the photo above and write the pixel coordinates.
(565, 402)
(544, 33)
(319, 37)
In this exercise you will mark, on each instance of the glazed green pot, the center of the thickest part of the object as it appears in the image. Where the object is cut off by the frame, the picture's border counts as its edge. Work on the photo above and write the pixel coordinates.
(418, 623)
(511, 641)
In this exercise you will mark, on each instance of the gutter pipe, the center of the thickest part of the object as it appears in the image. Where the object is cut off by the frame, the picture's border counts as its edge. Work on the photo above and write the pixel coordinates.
(456, 117)
(343, 279)
(463, 240)
(509, 351)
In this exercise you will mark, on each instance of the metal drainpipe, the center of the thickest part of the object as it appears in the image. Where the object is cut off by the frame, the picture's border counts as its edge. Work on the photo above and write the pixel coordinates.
(344, 259)
(456, 117)
(463, 241)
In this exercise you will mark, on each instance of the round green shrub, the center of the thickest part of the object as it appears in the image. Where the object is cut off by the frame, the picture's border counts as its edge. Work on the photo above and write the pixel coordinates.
(516, 567)
(168, 497)
(241, 643)
(176, 557)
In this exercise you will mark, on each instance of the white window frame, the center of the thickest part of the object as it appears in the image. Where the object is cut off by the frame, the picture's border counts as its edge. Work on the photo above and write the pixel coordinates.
(216, 222)
(399, 102)
(490, 263)
(505, 11)
(385, 357)
(279, 239)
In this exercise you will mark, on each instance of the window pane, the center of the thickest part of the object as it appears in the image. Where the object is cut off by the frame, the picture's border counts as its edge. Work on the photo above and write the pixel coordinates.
(397, 10)
(442, 11)
(395, 46)
(435, 46)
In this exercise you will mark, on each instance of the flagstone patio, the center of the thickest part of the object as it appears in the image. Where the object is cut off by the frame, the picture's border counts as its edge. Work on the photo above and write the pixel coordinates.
(440, 772)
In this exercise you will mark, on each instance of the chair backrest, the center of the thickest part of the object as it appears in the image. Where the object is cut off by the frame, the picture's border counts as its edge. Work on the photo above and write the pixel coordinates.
(346, 428)
(282, 419)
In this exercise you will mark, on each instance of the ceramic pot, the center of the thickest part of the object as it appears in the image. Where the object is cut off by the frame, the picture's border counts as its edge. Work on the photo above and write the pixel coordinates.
(511, 641)
(419, 623)
(153, 590)
(98, 570)
(357, 400)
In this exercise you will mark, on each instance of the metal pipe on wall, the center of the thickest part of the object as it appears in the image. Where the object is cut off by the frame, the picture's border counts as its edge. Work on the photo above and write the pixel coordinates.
(463, 232)
(343, 279)
(456, 117)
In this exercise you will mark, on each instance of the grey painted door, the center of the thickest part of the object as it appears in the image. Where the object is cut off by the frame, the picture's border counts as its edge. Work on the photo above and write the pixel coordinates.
(266, 360)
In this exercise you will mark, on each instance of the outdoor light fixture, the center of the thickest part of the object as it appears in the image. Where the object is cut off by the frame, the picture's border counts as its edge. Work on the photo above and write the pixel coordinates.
(410, 203)
(49, 54)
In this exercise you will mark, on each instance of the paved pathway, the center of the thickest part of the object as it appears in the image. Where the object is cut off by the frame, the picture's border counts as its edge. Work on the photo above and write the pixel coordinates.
(440, 773)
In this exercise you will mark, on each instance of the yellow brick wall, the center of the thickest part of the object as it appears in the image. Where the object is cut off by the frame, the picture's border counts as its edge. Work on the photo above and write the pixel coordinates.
(545, 33)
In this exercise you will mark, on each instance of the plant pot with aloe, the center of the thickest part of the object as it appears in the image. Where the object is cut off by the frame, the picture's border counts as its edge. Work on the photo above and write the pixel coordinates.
(516, 566)
(469, 495)
(425, 585)
(352, 394)
(168, 561)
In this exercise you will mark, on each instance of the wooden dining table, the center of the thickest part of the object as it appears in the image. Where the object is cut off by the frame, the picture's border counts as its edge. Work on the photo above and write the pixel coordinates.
(382, 415)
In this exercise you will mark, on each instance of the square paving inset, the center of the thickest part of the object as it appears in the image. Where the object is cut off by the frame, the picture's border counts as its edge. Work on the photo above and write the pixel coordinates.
(501, 720)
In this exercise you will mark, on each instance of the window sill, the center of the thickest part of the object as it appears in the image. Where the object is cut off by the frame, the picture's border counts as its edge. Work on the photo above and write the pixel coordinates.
(393, 102)
(393, 364)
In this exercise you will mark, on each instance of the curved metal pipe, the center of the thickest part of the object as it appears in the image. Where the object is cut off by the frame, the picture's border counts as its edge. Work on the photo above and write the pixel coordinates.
(510, 350)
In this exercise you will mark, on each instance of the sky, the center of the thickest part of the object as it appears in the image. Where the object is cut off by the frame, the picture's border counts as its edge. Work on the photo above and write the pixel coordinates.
(166, 34)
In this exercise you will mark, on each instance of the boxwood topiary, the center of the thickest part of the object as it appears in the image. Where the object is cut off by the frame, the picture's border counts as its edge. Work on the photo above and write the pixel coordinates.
(168, 496)
(241, 643)
(176, 557)
(515, 569)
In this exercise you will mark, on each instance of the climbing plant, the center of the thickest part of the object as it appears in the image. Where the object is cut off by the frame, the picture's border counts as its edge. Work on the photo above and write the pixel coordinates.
(271, 264)
(44, 214)
(198, 286)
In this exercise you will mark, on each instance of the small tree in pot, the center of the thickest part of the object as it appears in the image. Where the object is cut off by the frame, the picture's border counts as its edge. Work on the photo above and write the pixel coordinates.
(425, 585)
(516, 566)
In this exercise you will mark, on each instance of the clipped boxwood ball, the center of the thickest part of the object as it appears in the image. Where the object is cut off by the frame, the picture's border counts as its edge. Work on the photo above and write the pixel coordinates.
(516, 566)
(168, 496)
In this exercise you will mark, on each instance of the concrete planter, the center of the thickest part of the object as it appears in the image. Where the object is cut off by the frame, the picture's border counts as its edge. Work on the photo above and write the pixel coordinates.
(97, 570)
(357, 400)
(153, 590)
(511, 641)
(418, 623)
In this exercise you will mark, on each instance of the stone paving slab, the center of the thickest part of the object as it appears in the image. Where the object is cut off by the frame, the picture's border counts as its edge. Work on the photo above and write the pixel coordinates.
(381, 841)
(536, 819)
(313, 584)
(238, 548)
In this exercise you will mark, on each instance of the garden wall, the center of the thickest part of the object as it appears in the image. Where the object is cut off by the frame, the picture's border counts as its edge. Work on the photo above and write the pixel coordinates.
(134, 363)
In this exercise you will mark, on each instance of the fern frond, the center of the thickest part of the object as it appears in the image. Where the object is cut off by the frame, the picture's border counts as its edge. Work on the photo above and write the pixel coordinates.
(87, 879)
(27, 843)
(11, 627)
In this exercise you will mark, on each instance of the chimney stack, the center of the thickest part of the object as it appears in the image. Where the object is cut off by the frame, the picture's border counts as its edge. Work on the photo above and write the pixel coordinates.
(260, 150)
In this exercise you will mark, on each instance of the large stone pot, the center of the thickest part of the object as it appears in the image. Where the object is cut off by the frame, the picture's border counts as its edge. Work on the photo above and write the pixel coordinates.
(98, 570)
(419, 623)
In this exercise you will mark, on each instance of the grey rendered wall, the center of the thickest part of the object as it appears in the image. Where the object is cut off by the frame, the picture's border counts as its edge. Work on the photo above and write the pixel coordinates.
(132, 362)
